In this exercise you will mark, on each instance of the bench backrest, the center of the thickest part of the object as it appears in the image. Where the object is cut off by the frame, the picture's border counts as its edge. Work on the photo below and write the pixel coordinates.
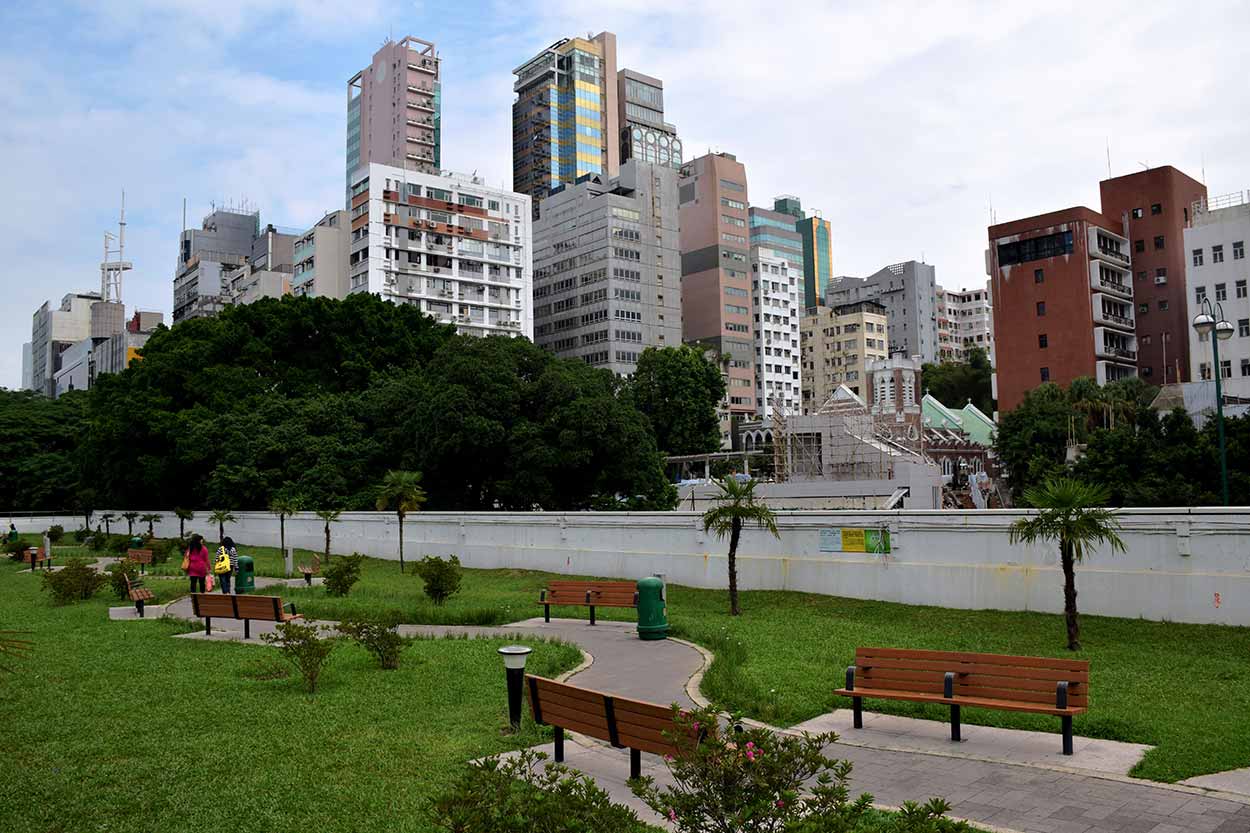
(622, 722)
(139, 556)
(602, 592)
(213, 604)
(33, 555)
(268, 608)
(996, 676)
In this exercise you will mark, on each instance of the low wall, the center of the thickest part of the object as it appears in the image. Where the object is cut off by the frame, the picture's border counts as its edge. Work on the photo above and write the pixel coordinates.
(1181, 565)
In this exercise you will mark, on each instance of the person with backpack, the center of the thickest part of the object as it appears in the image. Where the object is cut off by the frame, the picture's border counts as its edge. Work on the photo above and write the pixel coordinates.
(226, 564)
(195, 563)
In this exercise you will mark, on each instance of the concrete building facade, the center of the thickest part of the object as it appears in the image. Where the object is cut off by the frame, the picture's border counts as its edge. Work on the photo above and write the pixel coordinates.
(565, 121)
(458, 249)
(319, 258)
(1063, 301)
(775, 308)
(1218, 272)
(1156, 205)
(971, 317)
(225, 238)
(645, 135)
(909, 293)
(607, 279)
(817, 236)
(53, 331)
(394, 109)
(773, 229)
(837, 344)
(715, 271)
(28, 367)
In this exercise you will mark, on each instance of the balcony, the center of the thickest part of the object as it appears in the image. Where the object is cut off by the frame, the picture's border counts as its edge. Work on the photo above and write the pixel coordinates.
(1114, 344)
(421, 105)
(1112, 311)
(1108, 246)
(1101, 282)
(421, 140)
(1111, 371)
(424, 65)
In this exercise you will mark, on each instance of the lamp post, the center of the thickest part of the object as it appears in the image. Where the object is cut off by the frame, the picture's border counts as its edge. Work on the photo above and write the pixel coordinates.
(514, 657)
(1210, 321)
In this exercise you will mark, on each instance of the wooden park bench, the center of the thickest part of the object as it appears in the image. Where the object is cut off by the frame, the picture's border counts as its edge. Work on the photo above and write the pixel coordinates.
(36, 556)
(590, 593)
(1041, 685)
(137, 593)
(310, 570)
(246, 608)
(140, 557)
(624, 723)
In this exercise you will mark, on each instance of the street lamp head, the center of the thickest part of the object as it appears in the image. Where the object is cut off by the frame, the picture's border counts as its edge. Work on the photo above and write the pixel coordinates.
(514, 656)
(1204, 323)
(1224, 330)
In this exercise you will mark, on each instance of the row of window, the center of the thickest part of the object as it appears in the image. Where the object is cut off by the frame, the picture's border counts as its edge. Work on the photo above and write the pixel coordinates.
(1226, 369)
(1217, 253)
(1221, 291)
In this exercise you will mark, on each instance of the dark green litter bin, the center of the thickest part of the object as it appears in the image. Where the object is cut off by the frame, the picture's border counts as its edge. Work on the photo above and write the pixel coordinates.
(652, 615)
(246, 579)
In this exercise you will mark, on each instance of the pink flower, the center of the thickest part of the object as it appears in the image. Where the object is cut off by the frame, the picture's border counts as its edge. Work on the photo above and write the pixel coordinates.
(780, 803)
(672, 814)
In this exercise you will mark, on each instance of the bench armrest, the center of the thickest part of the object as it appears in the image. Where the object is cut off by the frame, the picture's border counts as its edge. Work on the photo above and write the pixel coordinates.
(542, 595)
(1061, 695)
(948, 685)
(850, 678)
(292, 606)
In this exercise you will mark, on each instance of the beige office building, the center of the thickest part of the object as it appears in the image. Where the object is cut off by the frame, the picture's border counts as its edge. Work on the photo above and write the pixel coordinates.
(837, 343)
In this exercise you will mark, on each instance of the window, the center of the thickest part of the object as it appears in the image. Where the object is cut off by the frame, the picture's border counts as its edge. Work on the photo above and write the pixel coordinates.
(1041, 341)
(1038, 276)
(1139, 245)
(1221, 292)
(1245, 367)
(733, 309)
(730, 185)
(1143, 308)
(1158, 242)
(1204, 371)
(1035, 248)
(1156, 209)
(1137, 213)
(1217, 254)
(1147, 371)
(728, 203)
(1200, 294)
(1243, 327)
(1161, 275)
(1197, 257)
(1226, 368)
(1141, 276)
(1045, 374)
(1163, 305)
(1241, 289)
(1041, 308)
(1239, 250)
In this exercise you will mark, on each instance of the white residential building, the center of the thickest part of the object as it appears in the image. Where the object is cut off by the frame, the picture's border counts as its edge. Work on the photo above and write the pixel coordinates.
(971, 315)
(458, 249)
(1215, 242)
(775, 303)
(55, 330)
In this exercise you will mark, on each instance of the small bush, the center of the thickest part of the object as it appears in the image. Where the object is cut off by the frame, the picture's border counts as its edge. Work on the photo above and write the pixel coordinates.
(300, 645)
(96, 541)
(81, 534)
(342, 574)
(379, 637)
(118, 572)
(74, 583)
(55, 533)
(118, 543)
(520, 795)
(14, 549)
(441, 577)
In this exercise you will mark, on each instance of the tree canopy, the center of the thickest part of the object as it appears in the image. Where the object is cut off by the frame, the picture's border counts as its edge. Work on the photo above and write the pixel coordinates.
(956, 383)
(678, 390)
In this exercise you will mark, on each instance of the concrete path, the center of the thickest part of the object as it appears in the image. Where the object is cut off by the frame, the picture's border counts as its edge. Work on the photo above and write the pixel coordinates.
(1233, 781)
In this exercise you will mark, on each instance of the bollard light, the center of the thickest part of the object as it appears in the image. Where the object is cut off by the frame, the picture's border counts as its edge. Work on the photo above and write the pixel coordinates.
(514, 657)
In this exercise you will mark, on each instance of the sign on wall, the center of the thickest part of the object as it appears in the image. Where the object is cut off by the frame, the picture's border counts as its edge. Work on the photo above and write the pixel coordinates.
(854, 539)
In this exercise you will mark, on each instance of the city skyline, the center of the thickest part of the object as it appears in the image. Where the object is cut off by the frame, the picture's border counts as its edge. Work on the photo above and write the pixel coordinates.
(170, 101)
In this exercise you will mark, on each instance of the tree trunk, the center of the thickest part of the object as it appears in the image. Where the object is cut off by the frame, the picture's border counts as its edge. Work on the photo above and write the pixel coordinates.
(286, 560)
(401, 542)
(1069, 596)
(327, 543)
(130, 527)
(733, 567)
(221, 531)
(182, 529)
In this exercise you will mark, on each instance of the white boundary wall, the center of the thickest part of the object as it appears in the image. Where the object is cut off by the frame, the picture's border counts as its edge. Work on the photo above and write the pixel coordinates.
(1181, 565)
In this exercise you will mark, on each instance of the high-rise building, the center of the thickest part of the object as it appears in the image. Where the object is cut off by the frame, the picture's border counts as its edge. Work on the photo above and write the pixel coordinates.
(772, 229)
(715, 271)
(837, 344)
(607, 279)
(320, 258)
(201, 282)
(909, 292)
(53, 332)
(817, 236)
(28, 367)
(1218, 272)
(394, 109)
(971, 315)
(946, 328)
(1156, 205)
(565, 118)
(459, 250)
(775, 308)
(1063, 301)
(644, 133)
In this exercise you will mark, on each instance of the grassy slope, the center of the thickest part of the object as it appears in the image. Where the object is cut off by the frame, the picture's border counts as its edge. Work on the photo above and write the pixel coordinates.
(115, 725)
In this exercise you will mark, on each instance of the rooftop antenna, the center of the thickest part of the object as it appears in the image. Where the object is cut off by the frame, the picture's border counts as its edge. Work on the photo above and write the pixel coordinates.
(1108, 157)
(1203, 157)
(111, 270)
(1144, 165)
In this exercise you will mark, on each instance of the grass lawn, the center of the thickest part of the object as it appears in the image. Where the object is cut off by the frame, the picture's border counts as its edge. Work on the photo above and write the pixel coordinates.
(117, 726)
(781, 659)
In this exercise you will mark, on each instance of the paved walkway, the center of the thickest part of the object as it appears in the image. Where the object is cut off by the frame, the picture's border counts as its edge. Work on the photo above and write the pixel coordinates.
(1026, 790)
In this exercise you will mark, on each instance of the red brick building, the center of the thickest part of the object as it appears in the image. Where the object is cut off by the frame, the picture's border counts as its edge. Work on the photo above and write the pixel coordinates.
(1156, 203)
(1063, 301)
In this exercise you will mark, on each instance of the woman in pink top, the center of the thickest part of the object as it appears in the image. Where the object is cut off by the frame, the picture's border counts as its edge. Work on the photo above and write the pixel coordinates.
(197, 563)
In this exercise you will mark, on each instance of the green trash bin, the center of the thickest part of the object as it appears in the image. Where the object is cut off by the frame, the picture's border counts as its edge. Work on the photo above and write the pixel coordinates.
(136, 541)
(652, 615)
(246, 579)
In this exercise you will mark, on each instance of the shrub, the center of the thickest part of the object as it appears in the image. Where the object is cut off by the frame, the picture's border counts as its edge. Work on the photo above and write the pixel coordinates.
(118, 543)
(441, 577)
(378, 636)
(55, 533)
(81, 534)
(97, 541)
(342, 574)
(300, 645)
(14, 549)
(118, 572)
(73, 583)
(522, 796)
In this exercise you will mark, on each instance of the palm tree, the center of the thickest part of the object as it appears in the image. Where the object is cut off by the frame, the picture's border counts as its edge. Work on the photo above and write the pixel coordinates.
(736, 507)
(285, 505)
(329, 516)
(221, 517)
(150, 519)
(184, 515)
(1071, 513)
(108, 518)
(130, 521)
(401, 491)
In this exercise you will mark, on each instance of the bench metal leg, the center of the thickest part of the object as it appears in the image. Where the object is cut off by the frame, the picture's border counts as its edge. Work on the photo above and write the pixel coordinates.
(141, 568)
(955, 724)
(247, 628)
(208, 626)
(559, 745)
(308, 579)
(1067, 734)
(547, 613)
(139, 607)
(635, 763)
(592, 614)
(857, 704)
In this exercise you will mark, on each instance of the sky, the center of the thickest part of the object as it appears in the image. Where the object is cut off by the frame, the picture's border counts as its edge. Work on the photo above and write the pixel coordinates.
(905, 124)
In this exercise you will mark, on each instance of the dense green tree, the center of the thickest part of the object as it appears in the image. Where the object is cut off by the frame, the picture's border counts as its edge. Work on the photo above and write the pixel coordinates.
(39, 466)
(679, 390)
(956, 383)
(1032, 438)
